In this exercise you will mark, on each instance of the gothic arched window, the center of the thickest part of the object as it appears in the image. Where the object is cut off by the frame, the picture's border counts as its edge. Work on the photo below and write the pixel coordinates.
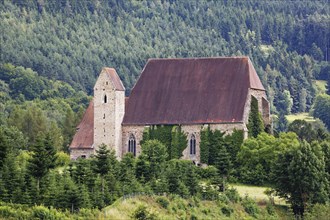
(132, 145)
(105, 99)
(192, 145)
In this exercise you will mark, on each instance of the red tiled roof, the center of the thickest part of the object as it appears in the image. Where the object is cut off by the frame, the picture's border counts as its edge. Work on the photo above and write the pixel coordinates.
(191, 91)
(114, 78)
(84, 136)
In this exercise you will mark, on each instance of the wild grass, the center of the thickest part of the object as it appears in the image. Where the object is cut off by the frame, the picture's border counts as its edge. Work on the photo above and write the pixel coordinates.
(302, 116)
(257, 193)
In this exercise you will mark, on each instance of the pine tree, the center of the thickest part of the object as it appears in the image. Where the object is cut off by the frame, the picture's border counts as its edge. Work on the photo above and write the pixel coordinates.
(223, 164)
(43, 159)
(102, 162)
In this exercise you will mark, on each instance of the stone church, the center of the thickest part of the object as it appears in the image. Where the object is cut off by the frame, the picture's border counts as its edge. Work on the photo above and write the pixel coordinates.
(193, 93)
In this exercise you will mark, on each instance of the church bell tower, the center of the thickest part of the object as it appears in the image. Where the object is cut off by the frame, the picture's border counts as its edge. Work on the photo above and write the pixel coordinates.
(109, 109)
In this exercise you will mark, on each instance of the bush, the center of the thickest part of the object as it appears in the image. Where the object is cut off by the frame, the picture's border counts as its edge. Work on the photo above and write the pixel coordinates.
(163, 202)
(270, 209)
(193, 217)
(62, 159)
(208, 172)
(227, 211)
(7, 212)
(232, 195)
(250, 206)
(41, 212)
(222, 198)
(141, 213)
(318, 211)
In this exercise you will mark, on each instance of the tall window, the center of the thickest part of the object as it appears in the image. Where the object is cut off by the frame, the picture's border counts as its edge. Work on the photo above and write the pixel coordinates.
(105, 99)
(132, 145)
(192, 145)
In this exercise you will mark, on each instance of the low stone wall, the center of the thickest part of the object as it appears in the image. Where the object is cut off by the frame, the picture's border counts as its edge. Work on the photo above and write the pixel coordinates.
(84, 153)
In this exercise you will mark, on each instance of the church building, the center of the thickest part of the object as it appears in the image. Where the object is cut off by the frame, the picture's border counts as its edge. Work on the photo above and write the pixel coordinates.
(193, 93)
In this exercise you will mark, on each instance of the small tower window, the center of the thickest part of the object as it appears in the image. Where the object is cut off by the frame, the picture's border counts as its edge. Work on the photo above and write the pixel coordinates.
(106, 83)
(103, 116)
(132, 145)
(105, 99)
(192, 145)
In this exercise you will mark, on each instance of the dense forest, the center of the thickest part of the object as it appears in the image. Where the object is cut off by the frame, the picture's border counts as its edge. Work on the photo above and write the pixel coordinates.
(288, 41)
(52, 52)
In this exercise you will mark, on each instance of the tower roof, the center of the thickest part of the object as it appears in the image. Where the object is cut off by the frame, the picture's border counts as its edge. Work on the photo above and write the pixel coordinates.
(191, 91)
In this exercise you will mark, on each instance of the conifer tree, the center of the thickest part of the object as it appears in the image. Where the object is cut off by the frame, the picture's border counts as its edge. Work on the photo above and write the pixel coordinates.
(102, 162)
(43, 159)
(223, 164)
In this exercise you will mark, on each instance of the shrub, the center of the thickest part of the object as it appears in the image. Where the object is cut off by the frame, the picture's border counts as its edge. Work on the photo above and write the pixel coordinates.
(62, 159)
(270, 209)
(222, 198)
(7, 212)
(318, 211)
(233, 195)
(41, 212)
(250, 206)
(141, 213)
(163, 202)
(208, 172)
(227, 211)
(193, 217)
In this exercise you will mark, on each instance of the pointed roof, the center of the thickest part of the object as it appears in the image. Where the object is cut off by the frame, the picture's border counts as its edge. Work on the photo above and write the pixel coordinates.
(114, 78)
(191, 91)
(84, 137)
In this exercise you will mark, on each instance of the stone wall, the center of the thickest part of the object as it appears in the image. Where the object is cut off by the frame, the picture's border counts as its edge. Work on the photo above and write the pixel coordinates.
(263, 105)
(196, 129)
(108, 114)
(76, 153)
(137, 131)
(119, 115)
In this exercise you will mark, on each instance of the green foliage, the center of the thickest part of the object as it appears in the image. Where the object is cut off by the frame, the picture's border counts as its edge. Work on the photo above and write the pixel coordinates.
(250, 206)
(306, 131)
(163, 202)
(77, 57)
(172, 137)
(257, 155)
(62, 159)
(227, 211)
(300, 178)
(204, 145)
(43, 159)
(141, 213)
(255, 124)
(233, 195)
(322, 109)
(11, 140)
(154, 153)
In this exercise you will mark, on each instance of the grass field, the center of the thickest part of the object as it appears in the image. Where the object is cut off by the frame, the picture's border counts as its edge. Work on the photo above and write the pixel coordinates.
(255, 192)
(302, 116)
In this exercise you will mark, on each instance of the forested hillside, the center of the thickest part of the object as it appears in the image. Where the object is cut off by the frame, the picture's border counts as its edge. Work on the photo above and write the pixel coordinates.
(70, 40)
(51, 53)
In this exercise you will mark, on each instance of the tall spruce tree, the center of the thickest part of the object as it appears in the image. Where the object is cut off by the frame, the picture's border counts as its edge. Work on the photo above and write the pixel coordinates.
(223, 164)
(43, 159)
(102, 162)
